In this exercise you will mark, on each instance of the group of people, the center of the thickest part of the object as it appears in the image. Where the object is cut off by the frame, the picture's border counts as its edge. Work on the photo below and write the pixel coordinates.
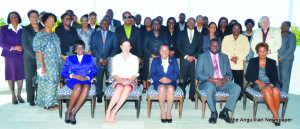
(75, 53)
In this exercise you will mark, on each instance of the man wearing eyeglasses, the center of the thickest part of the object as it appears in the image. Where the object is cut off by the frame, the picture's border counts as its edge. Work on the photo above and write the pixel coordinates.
(189, 45)
(128, 31)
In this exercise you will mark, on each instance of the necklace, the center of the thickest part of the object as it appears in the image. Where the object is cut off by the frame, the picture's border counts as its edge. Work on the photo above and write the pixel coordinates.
(248, 34)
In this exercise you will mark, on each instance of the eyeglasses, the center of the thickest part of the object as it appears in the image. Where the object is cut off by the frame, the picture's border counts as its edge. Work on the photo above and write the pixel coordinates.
(236, 28)
(200, 20)
(67, 18)
(79, 48)
(84, 20)
(191, 22)
(125, 17)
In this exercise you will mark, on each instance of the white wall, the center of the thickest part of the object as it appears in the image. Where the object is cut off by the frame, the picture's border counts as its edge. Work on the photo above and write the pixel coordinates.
(295, 83)
(3, 83)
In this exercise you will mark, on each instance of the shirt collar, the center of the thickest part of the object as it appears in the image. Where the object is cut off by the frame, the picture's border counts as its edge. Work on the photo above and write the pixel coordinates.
(10, 26)
(212, 55)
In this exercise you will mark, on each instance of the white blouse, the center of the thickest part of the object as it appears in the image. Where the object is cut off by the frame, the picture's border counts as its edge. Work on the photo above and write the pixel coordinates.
(125, 69)
(165, 64)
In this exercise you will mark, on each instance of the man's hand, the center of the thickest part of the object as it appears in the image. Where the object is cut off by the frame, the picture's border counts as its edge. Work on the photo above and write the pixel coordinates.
(104, 62)
(190, 58)
(140, 60)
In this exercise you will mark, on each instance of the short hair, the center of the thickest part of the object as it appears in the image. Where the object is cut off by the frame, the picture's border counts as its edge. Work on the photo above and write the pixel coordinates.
(263, 18)
(289, 23)
(164, 45)
(206, 18)
(18, 15)
(214, 40)
(47, 15)
(103, 20)
(155, 19)
(251, 21)
(262, 44)
(169, 19)
(64, 15)
(190, 18)
(125, 13)
(162, 19)
(219, 23)
(71, 11)
(93, 13)
(181, 14)
(85, 15)
(199, 16)
(42, 14)
(133, 17)
(241, 29)
(138, 15)
(126, 40)
(146, 19)
(77, 43)
(107, 16)
(32, 11)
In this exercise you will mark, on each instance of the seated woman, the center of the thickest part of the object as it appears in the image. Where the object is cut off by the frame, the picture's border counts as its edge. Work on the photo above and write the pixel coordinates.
(262, 71)
(165, 72)
(125, 68)
(79, 70)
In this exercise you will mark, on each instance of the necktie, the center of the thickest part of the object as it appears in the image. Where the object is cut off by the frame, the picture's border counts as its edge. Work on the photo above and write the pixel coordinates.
(191, 37)
(216, 68)
(103, 39)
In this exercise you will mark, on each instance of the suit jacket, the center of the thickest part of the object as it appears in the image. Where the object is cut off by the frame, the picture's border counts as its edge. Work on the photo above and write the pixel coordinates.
(75, 25)
(157, 72)
(135, 37)
(172, 39)
(204, 31)
(273, 40)
(253, 70)
(288, 46)
(205, 68)
(96, 27)
(28, 34)
(178, 28)
(151, 44)
(185, 48)
(9, 38)
(111, 46)
(116, 23)
(86, 68)
(67, 38)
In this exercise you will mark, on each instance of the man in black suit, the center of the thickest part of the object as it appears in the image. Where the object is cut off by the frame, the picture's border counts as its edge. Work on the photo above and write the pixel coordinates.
(114, 22)
(93, 19)
(138, 19)
(132, 33)
(104, 44)
(189, 45)
(181, 25)
(73, 24)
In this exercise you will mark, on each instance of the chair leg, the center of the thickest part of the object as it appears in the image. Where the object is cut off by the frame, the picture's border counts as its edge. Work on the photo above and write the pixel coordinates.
(221, 104)
(283, 109)
(203, 108)
(136, 103)
(244, 102)
(196, 101)
(176, 104)
(255, 109)
(93, 107)
(138, 108)
(180, 108)
(232, 113)
(106, 105)
(149, 107)
(67, 103)
(60, 108)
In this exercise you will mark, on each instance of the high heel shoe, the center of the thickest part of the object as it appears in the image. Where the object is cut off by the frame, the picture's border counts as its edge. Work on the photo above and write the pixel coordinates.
(169, 120)
(67, 121)
(21, 100)
(163, 120)
(73, 122)
(14, 101)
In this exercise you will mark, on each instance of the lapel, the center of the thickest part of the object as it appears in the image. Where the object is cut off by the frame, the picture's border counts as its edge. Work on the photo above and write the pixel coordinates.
(161, 68)
(221, 63)
(187, 36)
(106, 39)
(210, 64)
(269, 35)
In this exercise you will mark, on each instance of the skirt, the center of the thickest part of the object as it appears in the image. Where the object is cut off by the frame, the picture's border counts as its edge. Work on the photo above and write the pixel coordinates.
(133, 84)
(14, 69)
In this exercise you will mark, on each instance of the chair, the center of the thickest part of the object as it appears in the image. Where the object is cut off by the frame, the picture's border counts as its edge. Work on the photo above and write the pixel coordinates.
(257, 97)
(135, 95)
(152, 94)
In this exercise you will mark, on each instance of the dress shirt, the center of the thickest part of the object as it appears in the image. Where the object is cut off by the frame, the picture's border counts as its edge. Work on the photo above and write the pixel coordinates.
(93, 26)
(112, 22)
(105, 33)
(219, 69)
(127, 30)
(181, 27)
(125, 69)
(190, 34)
(200, 29)
(165, 64)
(236, 48)
(10, 26)
(138, 26)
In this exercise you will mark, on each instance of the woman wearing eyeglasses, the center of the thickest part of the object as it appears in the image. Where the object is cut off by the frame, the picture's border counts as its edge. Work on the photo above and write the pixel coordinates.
(237, 47)
(85, 33)
(79, 69)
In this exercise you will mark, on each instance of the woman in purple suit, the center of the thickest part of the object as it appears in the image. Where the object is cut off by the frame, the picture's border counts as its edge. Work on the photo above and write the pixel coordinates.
(10, 41)
(79, 70)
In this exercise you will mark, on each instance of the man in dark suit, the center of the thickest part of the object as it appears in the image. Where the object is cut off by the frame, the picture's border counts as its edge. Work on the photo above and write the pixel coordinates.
(103, 44)
(189, 45)
(181, 25)
(214, 72)
(114, 22)
(138, 19)
(200, 28)
(93, 19)
(73, 24)
(128, 31)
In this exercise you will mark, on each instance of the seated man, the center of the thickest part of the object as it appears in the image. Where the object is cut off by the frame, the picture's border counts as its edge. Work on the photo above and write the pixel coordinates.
(214, 72)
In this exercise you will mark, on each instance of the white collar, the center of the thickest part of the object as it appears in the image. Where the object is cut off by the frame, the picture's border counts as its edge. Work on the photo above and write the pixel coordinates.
(79, 58)
(10, 26)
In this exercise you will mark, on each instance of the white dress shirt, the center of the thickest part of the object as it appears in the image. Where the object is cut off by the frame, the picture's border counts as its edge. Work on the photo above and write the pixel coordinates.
(10, 26)
(165, 64)
(125, 69)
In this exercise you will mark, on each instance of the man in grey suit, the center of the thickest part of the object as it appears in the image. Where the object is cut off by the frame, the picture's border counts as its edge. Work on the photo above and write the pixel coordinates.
(104, 44)
(214, 72)
(114, 22)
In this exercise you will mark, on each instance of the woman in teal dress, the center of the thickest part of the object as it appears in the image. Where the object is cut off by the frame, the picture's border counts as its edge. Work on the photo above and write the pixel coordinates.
(46, 44)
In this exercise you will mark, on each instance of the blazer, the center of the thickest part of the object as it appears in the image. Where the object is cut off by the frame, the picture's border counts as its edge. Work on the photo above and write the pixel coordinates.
(96, 27)
(28, 34)
(273, 39)
(135, 37)
(67, 38)
(151, 44)
(110, 48)
(253, 70)
(185, 48)
(9, 38)
(226, 32)
(178, 28)
(157, 72)
(205, 68)
(86, 68)
(75, 25)
(204, 31)
(288, 46)
(172, 39)
(116, 23)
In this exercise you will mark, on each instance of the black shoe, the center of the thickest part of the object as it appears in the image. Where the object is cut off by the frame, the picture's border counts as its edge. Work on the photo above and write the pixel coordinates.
(225, 116)
(169, 120)
(192, 99)
(14, 101)
(163, 120)
(67, 121)
(31, 103)
(99, 100)
(213, 117)
(21, 100)
(73, 122)
(277, 124)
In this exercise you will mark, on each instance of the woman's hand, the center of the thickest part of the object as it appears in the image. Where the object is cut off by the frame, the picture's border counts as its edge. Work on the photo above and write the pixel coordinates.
(64, 57)
(18, 48)
(165, 80)
(261, 84)
(44, 71)
(172, 53)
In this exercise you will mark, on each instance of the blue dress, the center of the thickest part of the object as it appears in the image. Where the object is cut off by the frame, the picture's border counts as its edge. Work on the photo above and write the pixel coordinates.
(87, 67)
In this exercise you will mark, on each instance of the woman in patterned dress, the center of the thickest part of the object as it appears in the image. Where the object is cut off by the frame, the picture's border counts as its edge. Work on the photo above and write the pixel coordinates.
(46, 44)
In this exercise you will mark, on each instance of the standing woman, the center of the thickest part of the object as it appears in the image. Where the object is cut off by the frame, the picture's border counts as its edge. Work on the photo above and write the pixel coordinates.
(10, 41)
(172, 37)
(286, 55)
(223, 28)
(211, 34)
(249, 23)
(47, 46)
(151, 44)
(125, 71)
(85, 33)
(29, 55)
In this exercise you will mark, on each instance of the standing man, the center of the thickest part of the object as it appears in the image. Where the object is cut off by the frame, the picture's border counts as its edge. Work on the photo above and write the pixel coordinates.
(189, 45)
(128, 31)
(214, 72)
(181, 25)
(114, 22)
(110, 28)
(93, 19)
(138, 19)
(104, 44)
